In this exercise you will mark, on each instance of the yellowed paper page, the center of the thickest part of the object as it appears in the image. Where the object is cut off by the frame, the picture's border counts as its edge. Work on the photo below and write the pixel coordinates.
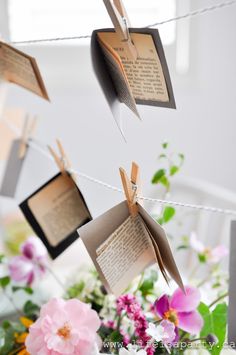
(125, 254)
(59, 209)
(119, 76)
(21, 69)
(145, 75)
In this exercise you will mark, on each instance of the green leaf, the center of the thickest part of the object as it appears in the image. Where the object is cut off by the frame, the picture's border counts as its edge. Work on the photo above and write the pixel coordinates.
(182, 157)
(31, 309)
(168, 214)
(160, 221)
(147, 287)
(165, 182)
(4, 281)
(202, 258)
(173, 170)
(2, 257)
(158, 175)
(162, 156)
(182, 247)
(116, 338)
(165, 145)
(215, 322)
(27, 290)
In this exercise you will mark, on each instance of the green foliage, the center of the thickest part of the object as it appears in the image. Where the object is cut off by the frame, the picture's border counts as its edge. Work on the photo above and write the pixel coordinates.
(75, 290)
(202, 258)
(172, 165)
(26, 289)
(158, 175)
(31, 310)
(8, 331)
(147, 286)
(4, 281)
(167, 215)
(173, 170)
(215, 322)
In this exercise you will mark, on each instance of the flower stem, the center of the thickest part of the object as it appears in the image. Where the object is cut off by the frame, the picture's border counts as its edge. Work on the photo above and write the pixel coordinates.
(226, 294)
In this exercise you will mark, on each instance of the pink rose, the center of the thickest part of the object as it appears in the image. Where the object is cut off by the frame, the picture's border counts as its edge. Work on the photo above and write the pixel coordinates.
(64, 327)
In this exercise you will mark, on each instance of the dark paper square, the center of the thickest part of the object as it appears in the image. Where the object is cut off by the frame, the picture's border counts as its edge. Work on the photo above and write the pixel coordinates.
(54, 250)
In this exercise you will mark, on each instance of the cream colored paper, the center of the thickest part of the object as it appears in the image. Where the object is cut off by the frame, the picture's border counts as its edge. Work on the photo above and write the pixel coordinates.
(104, 236)
(145, 75)
(125, 254)
(59, 209)
(21, 69)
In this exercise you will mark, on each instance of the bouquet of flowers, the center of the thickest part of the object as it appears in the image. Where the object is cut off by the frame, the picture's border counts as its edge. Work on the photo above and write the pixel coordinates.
(148, 319)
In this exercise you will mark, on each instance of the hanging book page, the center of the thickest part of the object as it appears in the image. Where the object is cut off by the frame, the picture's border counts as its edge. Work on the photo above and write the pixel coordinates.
(144, 81)
(122, 246)
(21, 69)
(55, 212)
(13, 170)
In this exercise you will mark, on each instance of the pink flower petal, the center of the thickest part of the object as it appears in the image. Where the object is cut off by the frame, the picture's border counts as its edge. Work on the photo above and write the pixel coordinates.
(33, 248)
(162, 305)
(20, 268)
(185, 302)
(191, 322)
(218, 253)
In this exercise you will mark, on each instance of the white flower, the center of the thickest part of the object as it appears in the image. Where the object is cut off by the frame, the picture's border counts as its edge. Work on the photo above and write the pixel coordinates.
(156, 332)
(132, 350)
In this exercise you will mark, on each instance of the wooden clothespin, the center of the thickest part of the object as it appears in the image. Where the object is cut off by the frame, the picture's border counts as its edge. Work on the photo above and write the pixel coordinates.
(131, 187)
(27, 132)
(119, 17)
(61, 160)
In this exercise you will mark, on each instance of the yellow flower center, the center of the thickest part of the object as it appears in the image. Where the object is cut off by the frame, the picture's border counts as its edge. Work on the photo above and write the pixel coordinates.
(171, 315)
(64, 332)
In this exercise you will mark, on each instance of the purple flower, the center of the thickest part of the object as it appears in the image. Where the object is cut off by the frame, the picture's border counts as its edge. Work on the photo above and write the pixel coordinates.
(31, 263)
(181, 309)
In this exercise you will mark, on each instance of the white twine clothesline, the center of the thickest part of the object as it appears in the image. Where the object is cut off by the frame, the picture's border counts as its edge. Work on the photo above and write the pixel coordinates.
(181, 17)
(38, 147)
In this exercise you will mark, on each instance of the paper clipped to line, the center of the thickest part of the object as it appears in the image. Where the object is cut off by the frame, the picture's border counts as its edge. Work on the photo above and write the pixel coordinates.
(21, 69)
(122, 246)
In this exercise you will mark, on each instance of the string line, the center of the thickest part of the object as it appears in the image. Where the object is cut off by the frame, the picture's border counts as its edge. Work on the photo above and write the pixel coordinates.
(177, 18)
(38, 147)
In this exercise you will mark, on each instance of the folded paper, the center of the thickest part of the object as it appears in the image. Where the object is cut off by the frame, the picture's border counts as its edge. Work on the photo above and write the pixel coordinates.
(122, 246)
(55, 211)
(21, 69)
(13, 170)
(144, 81)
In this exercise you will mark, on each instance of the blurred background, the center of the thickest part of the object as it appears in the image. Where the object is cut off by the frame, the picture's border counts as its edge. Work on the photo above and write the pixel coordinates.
(201, 54)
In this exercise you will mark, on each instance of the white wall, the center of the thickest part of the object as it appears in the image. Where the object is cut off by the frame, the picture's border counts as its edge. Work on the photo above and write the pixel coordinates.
(203, 126)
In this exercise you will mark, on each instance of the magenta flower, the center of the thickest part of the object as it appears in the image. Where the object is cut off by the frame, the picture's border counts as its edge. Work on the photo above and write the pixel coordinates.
(64, 327)
(31, 263)
(181, 309)
(130, 305)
